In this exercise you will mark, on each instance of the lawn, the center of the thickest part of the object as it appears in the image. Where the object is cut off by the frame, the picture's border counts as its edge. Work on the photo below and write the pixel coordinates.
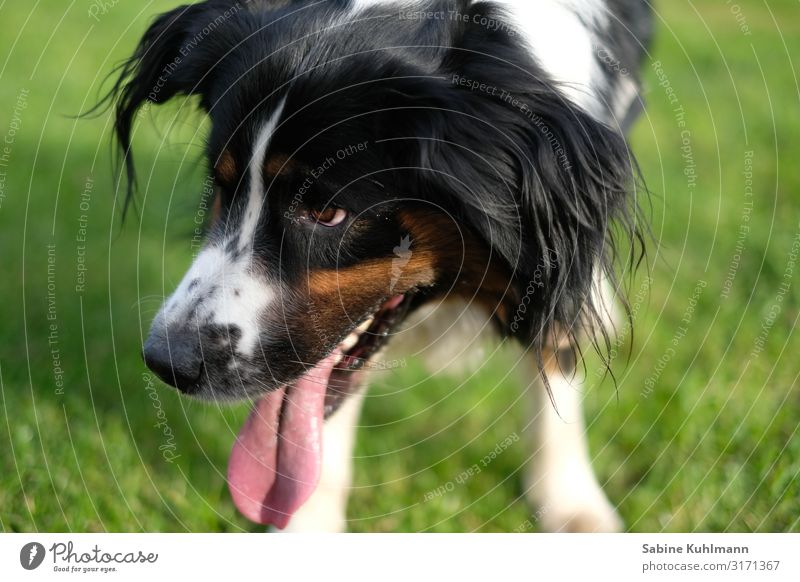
(696, 431)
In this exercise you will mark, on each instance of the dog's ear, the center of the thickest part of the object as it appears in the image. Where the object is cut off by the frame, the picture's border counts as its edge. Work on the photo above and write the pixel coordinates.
(539, 179)
(160, 68)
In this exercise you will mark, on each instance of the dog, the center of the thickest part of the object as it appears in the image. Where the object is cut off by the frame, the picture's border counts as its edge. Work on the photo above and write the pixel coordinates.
(386, 170)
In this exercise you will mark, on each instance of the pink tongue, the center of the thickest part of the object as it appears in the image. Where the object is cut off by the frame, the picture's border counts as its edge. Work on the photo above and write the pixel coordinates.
(275, 462)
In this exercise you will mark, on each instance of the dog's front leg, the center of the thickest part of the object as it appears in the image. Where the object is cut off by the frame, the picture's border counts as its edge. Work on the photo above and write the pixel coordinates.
(561, 484)
(325, 510)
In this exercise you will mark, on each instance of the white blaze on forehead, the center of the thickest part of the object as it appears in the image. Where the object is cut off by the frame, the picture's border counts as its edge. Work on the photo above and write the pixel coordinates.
(222, 288)
(256, 193)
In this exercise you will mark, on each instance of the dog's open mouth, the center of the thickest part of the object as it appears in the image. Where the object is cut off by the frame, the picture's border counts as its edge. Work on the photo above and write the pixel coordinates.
(276, 460)
(357, 349)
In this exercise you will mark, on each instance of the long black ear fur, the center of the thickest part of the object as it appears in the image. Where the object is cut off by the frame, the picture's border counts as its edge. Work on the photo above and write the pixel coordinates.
(543, 182)
(160, 68)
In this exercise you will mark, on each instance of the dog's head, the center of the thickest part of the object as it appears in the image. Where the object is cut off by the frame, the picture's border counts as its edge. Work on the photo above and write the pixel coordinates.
(364, 165)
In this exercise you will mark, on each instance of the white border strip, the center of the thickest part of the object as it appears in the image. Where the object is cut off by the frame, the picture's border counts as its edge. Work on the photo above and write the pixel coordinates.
(483, 557)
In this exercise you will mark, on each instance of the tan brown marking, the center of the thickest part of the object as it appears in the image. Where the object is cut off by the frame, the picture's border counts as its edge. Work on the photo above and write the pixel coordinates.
(558, 355)
(225, 167)
(463, 258)
(279, 164)
(348, 294)
(558, 361)
(371, 281)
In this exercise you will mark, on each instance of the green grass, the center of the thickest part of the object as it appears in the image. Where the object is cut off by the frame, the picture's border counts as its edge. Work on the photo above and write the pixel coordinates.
(712, 447)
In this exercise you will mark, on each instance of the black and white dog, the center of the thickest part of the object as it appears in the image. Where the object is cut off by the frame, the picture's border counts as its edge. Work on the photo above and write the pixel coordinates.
(383, 167)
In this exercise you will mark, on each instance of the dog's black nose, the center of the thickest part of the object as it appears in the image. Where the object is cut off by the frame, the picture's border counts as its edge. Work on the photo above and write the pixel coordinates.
(175, 356)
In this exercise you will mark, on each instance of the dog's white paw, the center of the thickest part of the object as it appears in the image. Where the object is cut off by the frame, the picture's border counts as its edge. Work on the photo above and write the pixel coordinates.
(591, 517)
(572, 501)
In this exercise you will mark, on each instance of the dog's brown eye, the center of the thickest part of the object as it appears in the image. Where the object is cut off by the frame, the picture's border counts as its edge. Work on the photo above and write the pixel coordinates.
(330, 216)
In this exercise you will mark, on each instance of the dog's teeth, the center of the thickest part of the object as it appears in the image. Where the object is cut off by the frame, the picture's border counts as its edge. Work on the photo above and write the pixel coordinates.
(351, 340)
